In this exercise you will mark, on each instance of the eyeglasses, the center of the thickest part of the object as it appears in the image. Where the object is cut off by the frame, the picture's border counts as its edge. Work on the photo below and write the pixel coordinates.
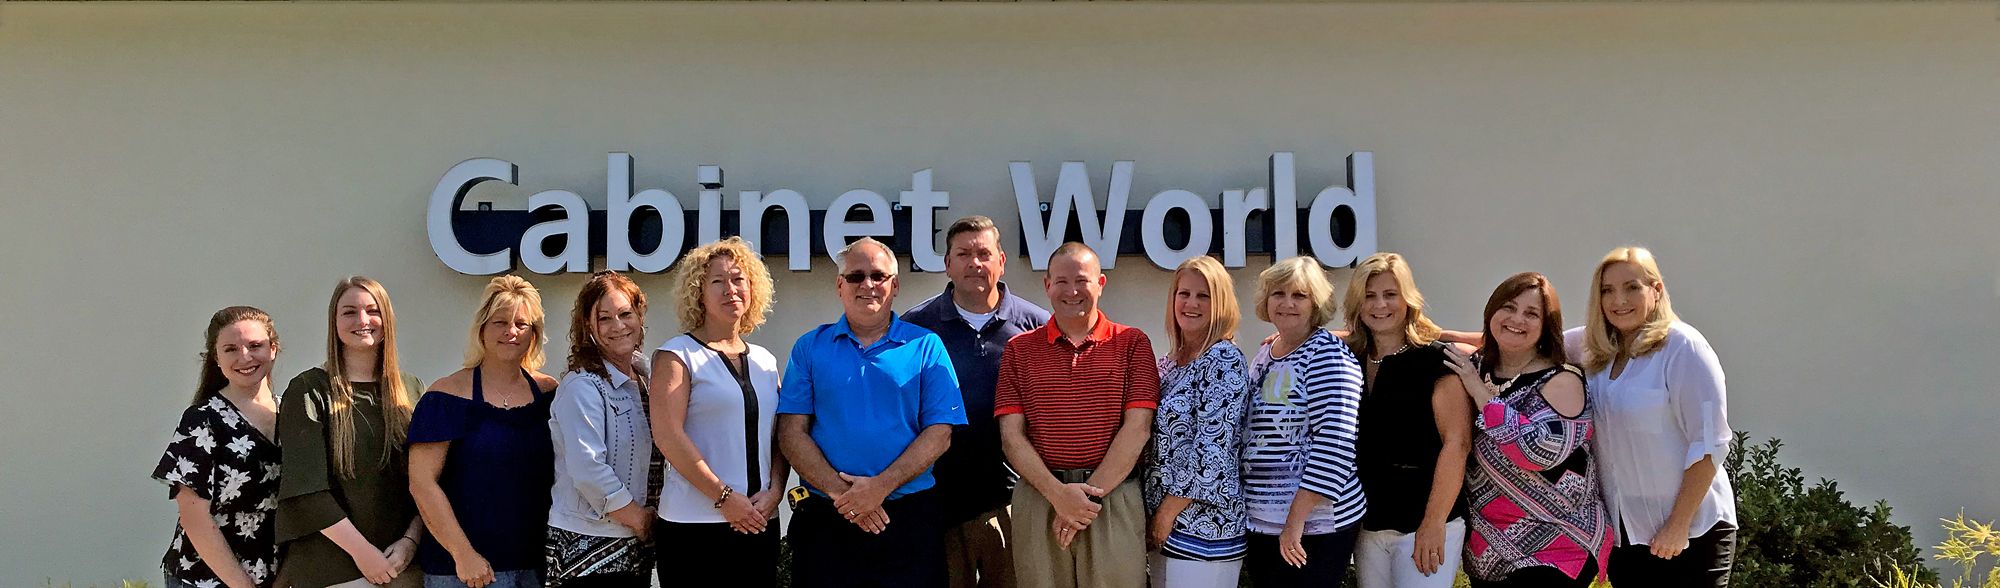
(875, 277)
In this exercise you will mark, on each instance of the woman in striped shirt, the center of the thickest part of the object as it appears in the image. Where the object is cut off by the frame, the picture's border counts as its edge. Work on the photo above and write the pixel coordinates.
(1304, 500)
(1193, 486)
(1537, 519)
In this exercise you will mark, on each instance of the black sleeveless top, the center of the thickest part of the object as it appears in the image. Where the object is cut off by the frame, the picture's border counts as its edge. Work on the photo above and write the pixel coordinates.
(1399, 440)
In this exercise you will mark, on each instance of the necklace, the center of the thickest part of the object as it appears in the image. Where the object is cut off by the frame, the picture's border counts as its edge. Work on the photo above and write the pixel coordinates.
(1385, 357)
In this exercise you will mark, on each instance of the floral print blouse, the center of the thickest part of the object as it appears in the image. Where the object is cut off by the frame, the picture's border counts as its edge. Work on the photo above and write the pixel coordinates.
(219, 456)
(1197, 434)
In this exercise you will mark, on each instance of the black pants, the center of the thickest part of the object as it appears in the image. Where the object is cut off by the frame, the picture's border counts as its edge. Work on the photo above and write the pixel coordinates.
(712, 554)
(619, 580)
(829, 552)
(1326, 559)
(1704, 563)
(1543, 577)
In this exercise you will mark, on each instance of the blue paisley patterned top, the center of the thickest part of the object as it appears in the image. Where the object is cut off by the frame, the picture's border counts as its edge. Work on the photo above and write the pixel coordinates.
(1197, 435)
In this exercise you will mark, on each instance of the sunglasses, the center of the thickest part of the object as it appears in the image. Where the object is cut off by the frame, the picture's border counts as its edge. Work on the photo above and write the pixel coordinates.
(858, 277)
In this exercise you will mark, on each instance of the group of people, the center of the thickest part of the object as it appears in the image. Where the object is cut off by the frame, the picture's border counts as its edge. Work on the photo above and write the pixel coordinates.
(975, 439)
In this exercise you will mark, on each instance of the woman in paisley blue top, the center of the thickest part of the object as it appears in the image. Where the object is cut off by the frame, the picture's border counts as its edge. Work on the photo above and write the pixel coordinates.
(1193, 487)
(221, 468)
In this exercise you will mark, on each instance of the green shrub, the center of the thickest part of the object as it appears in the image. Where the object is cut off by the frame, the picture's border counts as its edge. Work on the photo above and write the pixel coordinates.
(1809, 536)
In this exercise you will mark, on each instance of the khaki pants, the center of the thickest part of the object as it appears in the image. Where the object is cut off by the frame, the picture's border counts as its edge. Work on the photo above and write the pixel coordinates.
(975, 553)
(1111, 553)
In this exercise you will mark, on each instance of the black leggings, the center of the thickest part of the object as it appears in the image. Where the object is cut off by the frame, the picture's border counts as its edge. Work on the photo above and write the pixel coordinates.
(1326, 559)
(1705, 562)
(1543, 577)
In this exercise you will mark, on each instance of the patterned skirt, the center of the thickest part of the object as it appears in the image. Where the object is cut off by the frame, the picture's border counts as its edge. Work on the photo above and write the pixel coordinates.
(573, 555)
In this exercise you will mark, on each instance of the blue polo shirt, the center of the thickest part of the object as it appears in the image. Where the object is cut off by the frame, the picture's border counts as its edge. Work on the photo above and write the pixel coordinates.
(869, 404)
(972, 476)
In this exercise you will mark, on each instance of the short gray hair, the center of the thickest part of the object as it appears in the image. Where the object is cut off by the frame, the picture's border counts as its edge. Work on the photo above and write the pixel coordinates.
(840, 257)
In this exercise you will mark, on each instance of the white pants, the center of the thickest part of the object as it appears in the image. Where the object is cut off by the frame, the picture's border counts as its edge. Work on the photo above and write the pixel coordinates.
(1168, 572)
(1382, 559)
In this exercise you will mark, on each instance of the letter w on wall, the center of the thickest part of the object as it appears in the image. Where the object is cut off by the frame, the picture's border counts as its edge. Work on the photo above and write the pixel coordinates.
(1100, 232)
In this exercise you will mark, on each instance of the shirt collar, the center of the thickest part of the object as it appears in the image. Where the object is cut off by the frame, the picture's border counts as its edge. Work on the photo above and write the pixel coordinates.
(1099, 333)
(897, 332)
(617, 378)
(1006, 309)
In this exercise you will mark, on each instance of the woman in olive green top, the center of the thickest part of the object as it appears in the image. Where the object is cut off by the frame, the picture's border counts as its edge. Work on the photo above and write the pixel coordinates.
(345, 516)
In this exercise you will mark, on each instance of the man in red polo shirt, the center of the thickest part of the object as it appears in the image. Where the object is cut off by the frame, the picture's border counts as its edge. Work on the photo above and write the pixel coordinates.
(1075, 403)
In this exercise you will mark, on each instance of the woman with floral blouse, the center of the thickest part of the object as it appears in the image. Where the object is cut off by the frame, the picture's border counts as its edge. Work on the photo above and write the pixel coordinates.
(1193, 487)
(221, 467)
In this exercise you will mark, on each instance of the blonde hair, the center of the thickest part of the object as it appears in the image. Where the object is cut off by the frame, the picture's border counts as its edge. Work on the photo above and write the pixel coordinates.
(390, 392)
(694, 268)
(1602, 344)
(1418, 330)
(1223, 315)
(509, 292)
(1304, 272)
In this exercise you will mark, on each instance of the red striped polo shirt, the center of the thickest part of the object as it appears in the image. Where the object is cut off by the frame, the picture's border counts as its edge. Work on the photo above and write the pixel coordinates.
(1075, 397)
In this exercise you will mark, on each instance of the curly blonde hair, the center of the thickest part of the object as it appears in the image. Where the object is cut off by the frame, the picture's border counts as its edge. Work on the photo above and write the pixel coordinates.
(693, 269)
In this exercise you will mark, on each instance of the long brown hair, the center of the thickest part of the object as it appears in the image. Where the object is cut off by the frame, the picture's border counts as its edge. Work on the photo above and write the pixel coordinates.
(212, 380)
(393, 397)
(1550, 345)
(584, 354)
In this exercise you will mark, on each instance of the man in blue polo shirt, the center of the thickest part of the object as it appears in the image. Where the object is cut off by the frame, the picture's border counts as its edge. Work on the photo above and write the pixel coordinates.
(868, 402)
(975, 316)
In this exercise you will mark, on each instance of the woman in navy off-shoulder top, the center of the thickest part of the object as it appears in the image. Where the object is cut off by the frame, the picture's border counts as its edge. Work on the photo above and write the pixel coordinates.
(481, 458)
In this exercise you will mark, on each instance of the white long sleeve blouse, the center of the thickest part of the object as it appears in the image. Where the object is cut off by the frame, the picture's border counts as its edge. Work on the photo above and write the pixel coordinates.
(1664, 412)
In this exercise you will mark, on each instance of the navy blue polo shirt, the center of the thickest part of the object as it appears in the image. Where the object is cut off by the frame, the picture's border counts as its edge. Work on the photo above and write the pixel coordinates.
(869, 404)
(972, 476)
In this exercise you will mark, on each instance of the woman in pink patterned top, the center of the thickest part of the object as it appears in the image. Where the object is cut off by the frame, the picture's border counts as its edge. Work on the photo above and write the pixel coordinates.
(1537, 518)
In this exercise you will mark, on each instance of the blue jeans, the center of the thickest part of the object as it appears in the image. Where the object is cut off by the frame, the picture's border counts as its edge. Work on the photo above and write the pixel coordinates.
(512, 579)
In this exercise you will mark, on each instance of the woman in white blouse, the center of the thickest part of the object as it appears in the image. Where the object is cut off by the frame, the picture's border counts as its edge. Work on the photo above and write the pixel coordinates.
(1663, 429)
(716, 397)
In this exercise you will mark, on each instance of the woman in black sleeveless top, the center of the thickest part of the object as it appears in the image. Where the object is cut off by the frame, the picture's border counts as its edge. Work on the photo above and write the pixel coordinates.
(1416, 429)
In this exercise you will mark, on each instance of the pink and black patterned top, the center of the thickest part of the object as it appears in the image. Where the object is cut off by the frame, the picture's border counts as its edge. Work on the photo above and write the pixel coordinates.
(1532, 487)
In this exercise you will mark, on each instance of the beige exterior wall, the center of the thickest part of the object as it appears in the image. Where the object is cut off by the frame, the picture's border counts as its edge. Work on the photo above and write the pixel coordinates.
(1818, 179)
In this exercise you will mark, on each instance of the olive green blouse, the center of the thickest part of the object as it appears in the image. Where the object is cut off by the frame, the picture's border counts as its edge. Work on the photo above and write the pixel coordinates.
(312, 495)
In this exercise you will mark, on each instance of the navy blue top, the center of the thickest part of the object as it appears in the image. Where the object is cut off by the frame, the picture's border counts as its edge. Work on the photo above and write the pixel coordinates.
(497, 475)
(869, 404)
(972, 476)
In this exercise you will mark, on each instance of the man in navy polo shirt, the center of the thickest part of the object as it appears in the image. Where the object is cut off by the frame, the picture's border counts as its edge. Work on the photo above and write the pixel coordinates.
(975, 316)
(868, 402)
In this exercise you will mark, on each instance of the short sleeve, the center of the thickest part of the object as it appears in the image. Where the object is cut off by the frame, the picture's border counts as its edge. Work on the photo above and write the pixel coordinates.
(1007, 388)
(1142, 387)
(440, 417)
(795, 393)
(943, 402)
(190, 456)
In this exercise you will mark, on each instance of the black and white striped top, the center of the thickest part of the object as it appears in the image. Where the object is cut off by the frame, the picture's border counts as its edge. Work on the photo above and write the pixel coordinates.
(1304, 418)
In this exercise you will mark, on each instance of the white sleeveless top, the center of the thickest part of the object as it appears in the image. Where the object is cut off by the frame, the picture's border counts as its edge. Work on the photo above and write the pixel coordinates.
(719, 417)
